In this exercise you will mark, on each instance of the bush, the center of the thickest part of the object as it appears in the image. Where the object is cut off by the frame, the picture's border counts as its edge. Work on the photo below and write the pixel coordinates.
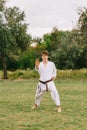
(61, 74)
(73, 74)
(23, 74)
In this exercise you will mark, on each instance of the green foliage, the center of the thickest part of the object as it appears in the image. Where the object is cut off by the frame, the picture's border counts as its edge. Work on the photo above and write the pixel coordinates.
(15, 20)
(23, 74)
(53, 39)
(68, 51)
(12, 63)
(72, 74)
(13, 33)
(2, 4)
(6, 40)
(82, 26)
(26, 60)
(6, 45)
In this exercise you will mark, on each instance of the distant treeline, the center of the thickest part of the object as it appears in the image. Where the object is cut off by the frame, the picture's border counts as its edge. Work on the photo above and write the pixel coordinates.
(68, 49)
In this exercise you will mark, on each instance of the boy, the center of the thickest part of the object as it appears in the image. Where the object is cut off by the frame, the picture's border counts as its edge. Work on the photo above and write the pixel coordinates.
(47, 71)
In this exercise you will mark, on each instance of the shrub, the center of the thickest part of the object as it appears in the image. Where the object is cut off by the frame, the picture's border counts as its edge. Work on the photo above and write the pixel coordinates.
(61, 74)
(23, 74)
(82, 73)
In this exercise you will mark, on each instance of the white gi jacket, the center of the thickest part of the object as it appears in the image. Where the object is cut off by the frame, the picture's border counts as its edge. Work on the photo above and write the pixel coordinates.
(46, 72)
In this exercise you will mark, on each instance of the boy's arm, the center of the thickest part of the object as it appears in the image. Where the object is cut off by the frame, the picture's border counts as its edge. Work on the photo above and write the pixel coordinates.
(54, 72)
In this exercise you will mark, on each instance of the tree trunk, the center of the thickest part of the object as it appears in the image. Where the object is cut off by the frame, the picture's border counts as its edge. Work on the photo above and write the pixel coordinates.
(4, 68)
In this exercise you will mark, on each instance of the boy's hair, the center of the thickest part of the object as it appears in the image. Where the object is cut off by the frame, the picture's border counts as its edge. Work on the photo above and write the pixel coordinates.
(45, 52)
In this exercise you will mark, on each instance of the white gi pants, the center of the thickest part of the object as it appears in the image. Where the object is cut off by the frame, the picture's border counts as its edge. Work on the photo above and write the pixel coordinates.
(41, 89)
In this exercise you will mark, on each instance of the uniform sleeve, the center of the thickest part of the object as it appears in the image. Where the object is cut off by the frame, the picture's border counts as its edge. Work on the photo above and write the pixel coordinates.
(36, 68)
(54, 71)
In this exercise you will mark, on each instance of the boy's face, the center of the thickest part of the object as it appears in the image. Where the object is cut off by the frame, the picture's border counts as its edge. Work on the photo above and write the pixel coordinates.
(45, 57)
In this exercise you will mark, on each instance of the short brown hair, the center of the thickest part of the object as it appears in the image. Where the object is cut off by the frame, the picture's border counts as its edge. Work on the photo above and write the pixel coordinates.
(45, 52)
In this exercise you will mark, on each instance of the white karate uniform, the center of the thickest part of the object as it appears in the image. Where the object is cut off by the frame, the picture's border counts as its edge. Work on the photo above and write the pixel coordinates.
(46, 73)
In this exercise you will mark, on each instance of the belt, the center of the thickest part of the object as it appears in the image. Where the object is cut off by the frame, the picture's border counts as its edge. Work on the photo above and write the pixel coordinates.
(46, 83)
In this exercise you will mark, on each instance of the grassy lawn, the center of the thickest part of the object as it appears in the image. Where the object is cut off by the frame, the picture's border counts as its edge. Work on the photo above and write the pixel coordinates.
(17, 98)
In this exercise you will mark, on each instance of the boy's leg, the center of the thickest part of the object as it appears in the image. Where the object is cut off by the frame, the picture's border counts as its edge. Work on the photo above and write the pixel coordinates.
(55, 96)
(38, 96)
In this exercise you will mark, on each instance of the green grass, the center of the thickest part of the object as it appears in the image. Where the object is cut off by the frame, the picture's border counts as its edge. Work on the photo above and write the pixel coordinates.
(17, 98)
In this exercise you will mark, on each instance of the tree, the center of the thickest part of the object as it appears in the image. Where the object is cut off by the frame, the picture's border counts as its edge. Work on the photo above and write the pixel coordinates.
(15, 21)
(13, 33)
(6, 45)
(68, 51)
(82, 26)
(2, 5)
(52, 40)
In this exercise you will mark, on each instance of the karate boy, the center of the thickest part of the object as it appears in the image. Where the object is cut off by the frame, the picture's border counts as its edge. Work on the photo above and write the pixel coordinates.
(47, 71)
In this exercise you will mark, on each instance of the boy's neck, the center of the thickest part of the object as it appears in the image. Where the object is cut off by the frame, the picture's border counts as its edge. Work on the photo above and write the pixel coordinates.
(45, 62)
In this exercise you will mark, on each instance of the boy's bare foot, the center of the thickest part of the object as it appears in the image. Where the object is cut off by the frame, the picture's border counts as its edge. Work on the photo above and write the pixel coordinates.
(35, 106)
(59, 109)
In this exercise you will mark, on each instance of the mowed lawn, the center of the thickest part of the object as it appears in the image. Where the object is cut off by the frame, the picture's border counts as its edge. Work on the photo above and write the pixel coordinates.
(17, 99)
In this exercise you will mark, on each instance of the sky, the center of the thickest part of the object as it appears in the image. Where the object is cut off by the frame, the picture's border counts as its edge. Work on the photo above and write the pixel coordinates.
(43, 15)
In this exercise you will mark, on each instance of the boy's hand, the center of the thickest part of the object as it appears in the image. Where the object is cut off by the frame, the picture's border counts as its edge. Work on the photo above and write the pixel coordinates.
(37, 62)
(53, 78)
